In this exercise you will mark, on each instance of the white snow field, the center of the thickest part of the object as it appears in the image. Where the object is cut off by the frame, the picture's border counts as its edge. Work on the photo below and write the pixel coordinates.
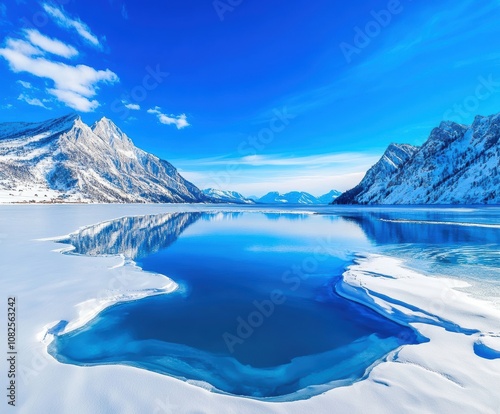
(456, 371)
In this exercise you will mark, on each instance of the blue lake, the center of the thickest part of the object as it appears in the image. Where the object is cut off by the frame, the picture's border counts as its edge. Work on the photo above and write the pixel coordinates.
(256, 313)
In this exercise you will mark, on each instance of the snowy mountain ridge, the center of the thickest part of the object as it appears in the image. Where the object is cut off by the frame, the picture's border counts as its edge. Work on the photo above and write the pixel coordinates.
(458, 164)
(65, 160)
(224, 196)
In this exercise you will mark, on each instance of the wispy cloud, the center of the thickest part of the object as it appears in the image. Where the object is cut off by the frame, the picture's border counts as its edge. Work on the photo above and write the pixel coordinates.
(180, 121)
(53, 46)
(286, 160)
(448, 26)
(131, 106)
(311, 160)
(24, 84)
(28, 96)
(420, 29)
(124, 11)
(477, 60)
(31, 101)
(71, 23)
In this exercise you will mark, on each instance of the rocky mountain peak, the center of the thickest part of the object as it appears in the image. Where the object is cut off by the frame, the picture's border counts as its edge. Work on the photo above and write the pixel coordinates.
(65, 159)
(109, 132)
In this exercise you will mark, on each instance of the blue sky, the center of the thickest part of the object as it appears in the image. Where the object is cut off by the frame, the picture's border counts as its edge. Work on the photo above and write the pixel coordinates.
(254, 96)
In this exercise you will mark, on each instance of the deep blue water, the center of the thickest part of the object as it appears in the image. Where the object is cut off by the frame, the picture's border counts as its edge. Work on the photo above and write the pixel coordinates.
(256, 313)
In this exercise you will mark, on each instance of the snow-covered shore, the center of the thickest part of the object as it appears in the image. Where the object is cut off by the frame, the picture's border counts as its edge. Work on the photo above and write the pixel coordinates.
(457, 370)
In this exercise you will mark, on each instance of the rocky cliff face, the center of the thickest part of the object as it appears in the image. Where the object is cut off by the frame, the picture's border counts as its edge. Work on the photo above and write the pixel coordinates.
(458, 164)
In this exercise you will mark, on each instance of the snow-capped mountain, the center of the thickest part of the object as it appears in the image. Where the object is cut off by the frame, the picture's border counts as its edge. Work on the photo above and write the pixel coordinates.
(329, 197)
(66, 160)
(458, 164)
(378, 176)
(297, 197)
(223, 196)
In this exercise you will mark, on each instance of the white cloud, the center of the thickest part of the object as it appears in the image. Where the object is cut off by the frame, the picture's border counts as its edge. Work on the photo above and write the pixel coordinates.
(23, 47)
(53, 46)
(74, 100)
(73, 85)
(67, 22)
(31, 101)
(133, 107)
(24, 84)
(180, 121)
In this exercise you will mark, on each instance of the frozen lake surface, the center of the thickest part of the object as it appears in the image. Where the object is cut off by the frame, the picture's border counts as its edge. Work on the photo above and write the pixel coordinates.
(432, 272)
(257, 312)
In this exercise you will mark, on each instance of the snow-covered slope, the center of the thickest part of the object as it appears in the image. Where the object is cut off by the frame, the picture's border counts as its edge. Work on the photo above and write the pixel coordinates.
(66, 160)
(377, 178)
(458, 164)
(223, 196)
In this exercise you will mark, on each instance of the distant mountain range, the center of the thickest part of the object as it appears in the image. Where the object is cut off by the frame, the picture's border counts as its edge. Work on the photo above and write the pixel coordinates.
(458, 164)
(66, 160)
(274, 197)
(297, 197)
